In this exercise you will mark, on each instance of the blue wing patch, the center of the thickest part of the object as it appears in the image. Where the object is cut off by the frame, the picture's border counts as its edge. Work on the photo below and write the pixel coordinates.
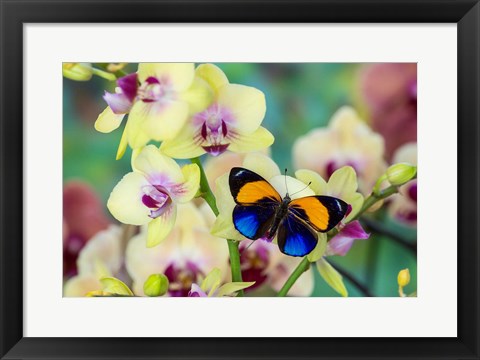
(253, 221)
(295, 237)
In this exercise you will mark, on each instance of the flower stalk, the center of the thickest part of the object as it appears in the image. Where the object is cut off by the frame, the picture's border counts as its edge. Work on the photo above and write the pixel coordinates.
(207, 194)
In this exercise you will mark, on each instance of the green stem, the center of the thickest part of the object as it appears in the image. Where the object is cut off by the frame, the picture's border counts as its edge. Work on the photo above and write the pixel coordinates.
(299, 270)
(207, 194)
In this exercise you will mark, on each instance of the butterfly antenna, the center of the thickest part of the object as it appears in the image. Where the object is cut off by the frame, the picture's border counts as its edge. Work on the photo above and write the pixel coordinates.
(296, 192)
(286, 188)
(248, 246)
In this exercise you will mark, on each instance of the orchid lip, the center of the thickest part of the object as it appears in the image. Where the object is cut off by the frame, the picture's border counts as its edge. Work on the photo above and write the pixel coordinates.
(181, 277)
(157, 199)
(215, 150)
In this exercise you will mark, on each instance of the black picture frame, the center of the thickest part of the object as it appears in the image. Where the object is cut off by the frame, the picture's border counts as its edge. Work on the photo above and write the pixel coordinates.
(15, 13)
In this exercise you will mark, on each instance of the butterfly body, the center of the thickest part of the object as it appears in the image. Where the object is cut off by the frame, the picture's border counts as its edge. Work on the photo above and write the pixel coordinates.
(262, 213)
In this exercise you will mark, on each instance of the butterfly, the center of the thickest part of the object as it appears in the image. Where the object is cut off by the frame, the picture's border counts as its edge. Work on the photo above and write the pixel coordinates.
(262, 213)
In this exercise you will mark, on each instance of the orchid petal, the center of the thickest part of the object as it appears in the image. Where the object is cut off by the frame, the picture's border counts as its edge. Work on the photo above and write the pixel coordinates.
(125, 201)
(320, 249)
(355, 200)
(196, 291)
(225, 202)
(317, 184)
(341, 243)
(182, 146)
(213, 75)
(342, 182)
(331, 277)
(160, 120)
(186, 191)
(212, 281)
(262, 165)
(160, 227)
(136, 134)
(115, 286)
(294, 187)
(258, 140)
(233, 287)
(102, 253)
(178, 75)
(119, 103)
(198, 96)
(81, 285)
(122, 146)
(158, 168)
(246, 105)
(108, 121)
(223, 228)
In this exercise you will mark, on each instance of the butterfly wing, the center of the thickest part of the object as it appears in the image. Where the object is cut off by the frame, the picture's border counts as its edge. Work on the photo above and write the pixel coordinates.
(296, 237)
(253, 221)
(257, 202)
(322, 213)
(247, 187)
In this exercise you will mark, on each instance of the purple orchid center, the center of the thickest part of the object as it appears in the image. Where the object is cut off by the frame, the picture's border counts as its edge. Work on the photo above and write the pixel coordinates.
(412, 192)
(157, 199)
(154, 89)
(214, 130)
(253, 262)
(181, 278)
(334, 165)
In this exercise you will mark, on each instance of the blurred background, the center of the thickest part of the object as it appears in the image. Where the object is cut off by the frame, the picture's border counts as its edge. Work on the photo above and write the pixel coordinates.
(299, 97)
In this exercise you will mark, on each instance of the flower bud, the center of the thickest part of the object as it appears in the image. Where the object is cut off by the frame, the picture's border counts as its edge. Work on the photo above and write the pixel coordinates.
(156, 285)
(399, 174)
(77, 71)
(403, 278)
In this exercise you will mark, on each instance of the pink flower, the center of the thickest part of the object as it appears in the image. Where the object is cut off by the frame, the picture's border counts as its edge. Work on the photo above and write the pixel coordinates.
(390, 91)
(83, 217)
(341, 243)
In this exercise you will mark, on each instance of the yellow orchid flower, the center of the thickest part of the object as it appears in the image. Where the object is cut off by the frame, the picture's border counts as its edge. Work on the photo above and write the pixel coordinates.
(231, 122)
(150, 194)
(186, 255)
(100, 257)
(159, 98)
(347, 141)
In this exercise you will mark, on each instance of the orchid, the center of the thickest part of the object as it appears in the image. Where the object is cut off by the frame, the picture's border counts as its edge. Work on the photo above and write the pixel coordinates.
(211, 286)
(101, 257)
(150, 194)
(231, 122)
(159, 98)
(187, 254)
(347, 141)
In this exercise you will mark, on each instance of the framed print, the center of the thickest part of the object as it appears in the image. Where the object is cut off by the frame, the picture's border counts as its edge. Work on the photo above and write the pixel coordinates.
(228, 179)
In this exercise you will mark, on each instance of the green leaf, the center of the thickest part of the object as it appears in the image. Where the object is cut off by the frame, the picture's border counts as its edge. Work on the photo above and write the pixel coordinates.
(233, 287)
(115, 286)
(319, 250)
(331, 277)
